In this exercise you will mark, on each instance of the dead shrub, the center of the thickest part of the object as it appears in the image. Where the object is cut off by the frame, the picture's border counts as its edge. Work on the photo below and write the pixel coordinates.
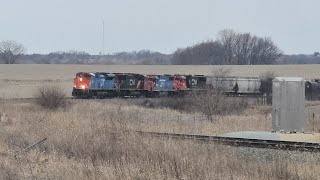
(51, 97)
(213, 103)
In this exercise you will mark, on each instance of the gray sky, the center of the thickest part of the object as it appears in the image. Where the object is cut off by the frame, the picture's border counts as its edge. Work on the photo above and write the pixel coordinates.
(44, 26)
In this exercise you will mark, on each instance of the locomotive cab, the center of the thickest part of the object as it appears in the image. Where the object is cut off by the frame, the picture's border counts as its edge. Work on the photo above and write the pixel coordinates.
(81, 84)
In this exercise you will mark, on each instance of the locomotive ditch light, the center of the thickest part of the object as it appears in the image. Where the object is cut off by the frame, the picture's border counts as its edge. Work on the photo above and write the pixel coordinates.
(83, 87)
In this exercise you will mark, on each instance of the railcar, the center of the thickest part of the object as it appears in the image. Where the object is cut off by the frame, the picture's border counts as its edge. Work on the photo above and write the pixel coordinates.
(235, 85)
(196, 82)
(223, 84)
(81, 84)
(249, 86)
(129, 84)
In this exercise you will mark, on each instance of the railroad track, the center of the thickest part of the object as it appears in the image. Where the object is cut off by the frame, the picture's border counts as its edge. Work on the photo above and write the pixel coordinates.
(242, 142)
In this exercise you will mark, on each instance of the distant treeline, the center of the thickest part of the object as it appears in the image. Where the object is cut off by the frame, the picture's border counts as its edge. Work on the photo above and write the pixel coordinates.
(78, 57)
(142, 57)
(228, 48)
(300, 59)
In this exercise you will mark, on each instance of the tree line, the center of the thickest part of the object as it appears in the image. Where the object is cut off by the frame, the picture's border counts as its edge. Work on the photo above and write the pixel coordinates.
(300, 59)
(80, 57)
(230, 47)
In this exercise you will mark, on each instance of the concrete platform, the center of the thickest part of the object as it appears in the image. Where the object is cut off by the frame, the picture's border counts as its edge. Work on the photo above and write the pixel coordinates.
(264, 135)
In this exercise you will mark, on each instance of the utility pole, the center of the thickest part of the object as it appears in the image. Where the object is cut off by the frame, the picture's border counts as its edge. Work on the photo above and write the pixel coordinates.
(102, 36)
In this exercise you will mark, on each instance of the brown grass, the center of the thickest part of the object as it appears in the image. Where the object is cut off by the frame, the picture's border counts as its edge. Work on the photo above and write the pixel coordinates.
(92, 140)
(21, 80)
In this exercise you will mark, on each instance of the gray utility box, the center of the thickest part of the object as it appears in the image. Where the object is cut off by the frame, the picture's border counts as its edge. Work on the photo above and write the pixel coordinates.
(288, 96)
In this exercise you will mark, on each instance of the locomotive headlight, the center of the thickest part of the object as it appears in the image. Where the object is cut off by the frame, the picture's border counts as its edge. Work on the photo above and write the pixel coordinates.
(80, 79)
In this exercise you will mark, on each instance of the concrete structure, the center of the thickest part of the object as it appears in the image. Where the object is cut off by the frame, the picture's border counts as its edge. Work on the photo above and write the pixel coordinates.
(262, 135)
(288, 104)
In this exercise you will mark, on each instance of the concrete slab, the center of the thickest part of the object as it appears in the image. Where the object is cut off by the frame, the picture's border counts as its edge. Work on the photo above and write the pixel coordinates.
(263, 135)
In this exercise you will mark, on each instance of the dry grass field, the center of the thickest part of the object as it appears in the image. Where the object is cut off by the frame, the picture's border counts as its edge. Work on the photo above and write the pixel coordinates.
(95, 139)
(20, 80)
(92, 139)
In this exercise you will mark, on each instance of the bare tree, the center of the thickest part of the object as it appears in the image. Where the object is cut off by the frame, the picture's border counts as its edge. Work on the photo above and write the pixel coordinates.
(228, 38)
(243, 48)
(264, 51)
(10, 51)
(207, 52)
(230, 48)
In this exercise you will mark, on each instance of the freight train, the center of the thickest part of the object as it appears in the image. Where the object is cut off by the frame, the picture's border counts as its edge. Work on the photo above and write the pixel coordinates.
(126, 84)
(101, 84)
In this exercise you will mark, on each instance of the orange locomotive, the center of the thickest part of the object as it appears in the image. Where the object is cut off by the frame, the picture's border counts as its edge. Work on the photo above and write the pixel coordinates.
(81, 84)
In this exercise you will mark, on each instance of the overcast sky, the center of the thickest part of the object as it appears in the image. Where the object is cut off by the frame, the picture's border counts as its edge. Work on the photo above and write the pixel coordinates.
(45, 26)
